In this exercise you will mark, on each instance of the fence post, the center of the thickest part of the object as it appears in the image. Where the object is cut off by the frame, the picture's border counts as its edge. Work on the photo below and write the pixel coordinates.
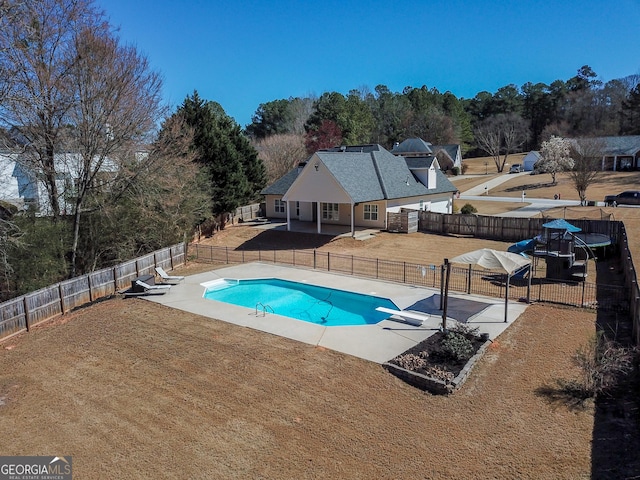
(404, 272)
(226, 251)
(61, 299)
(328, 261)
(351, 264)
(26, 312)
(584, 283)
(274, 256)
(91, 286)
(377, 265)
(442, 285)
(314, 259)
(469, 280)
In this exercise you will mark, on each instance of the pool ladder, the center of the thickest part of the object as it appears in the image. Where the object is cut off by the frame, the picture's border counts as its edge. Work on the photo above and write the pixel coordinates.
(264, 309)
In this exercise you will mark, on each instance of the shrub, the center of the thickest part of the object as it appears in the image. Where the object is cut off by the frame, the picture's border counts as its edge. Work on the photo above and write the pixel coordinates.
(468, 209)
(465, 329)
(465, 167)
(455, 171)
(601, 362)
(457, 346)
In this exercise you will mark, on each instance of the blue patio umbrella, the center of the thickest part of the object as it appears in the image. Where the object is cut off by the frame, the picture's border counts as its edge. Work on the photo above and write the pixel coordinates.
(561, 224)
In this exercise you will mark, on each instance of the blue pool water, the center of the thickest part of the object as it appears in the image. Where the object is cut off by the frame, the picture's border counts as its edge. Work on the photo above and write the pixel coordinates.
(310, 303)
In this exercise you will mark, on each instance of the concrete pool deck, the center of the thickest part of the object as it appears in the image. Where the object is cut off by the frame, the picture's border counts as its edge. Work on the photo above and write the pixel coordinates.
(377, 343)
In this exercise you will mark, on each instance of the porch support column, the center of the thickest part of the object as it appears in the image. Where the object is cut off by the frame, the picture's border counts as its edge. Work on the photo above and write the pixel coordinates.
(353, 222)
(319, 215)
(288, 216)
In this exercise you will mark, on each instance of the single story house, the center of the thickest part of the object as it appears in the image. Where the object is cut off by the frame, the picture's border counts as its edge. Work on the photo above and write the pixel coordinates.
(358, 186)
(619, 153)
(530, 160)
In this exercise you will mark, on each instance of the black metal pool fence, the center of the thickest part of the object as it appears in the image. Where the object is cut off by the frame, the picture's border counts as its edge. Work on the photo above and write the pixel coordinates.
(463, 279)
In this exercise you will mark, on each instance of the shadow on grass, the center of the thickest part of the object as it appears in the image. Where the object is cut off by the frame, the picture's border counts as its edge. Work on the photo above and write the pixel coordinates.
(566, 393)
(283, 240)
(529, 186)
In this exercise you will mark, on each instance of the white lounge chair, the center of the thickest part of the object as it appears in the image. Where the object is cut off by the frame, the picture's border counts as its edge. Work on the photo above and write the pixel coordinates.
(168, 278)
(412, 318)
(146, 286)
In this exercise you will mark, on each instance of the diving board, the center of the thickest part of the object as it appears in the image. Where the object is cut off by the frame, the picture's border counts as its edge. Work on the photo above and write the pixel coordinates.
(412, 318)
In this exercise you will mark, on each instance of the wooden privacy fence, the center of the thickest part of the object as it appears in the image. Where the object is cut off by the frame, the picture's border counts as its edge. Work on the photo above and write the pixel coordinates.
(19, 314)
(464, 280)
(507, 229)
(405, 221)
(247, 212)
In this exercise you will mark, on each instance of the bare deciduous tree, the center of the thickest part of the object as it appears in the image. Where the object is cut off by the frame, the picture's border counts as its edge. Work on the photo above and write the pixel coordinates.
(587, 155)
(158, 201)
(280, 153)
(36, 41)
(501, 135)
(118, 100)
(489, 139)
(71, 87)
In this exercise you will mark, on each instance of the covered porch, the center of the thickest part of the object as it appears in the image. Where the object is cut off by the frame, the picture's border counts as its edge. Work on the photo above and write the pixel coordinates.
(359, 233)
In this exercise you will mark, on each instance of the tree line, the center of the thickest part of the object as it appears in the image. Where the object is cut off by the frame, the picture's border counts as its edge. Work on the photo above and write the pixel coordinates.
(510, 120)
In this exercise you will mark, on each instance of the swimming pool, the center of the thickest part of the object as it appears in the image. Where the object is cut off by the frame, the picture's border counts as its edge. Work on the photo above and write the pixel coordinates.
(310, 303)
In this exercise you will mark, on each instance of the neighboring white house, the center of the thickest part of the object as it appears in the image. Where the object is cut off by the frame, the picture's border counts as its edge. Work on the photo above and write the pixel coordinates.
(19, 184)
(530, 160)
(358, 186)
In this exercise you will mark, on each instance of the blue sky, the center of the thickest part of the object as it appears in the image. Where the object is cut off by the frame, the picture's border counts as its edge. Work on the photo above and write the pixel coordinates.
(244, 53)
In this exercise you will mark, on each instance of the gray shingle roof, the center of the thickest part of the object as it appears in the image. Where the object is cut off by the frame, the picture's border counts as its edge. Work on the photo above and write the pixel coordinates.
(625, 145)
(420, 162)
(280, 186)
(370, 174)
(412, 146)
(378, 175)
(452, 150)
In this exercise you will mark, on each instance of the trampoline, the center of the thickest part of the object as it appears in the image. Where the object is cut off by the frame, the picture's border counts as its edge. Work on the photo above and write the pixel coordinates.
(594, 240)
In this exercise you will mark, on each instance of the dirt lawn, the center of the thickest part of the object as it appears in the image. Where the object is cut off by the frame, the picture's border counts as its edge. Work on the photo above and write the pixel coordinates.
(132, 389)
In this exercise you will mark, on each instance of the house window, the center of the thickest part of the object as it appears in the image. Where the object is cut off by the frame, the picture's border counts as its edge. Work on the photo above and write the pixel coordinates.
(370, 211)
(330, 211)
(297, 209)
(280, 206)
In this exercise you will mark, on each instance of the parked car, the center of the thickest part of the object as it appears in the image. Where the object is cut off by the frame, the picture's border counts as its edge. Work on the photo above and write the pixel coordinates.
(515, 168)
(630, 197)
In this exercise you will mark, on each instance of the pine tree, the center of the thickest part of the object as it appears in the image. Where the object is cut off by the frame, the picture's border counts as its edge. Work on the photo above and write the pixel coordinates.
(235, 172)
(631, 113)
